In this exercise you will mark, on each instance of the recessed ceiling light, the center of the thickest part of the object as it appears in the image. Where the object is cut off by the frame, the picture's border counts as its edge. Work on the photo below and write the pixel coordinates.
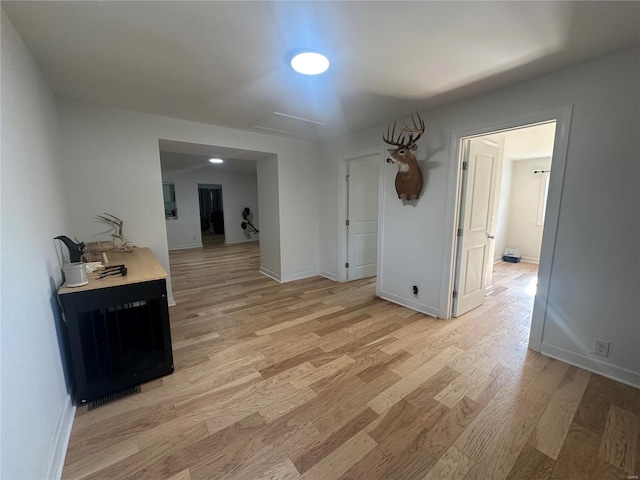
(216, 160)
(309, 63)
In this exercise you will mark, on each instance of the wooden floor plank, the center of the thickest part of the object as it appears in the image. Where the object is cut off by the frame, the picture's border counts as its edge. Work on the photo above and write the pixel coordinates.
(230, 450)
(531, 464)
(453, 465)
(412, 381)
(340, 460)
(578, 455)
(438, 440)
(619, 444)
(92, 463)
(593, 410)
(502, 450)
(484, 390)
(309, 457)
(554, 424)
(183, 475)
(388, 454)
(483, 433)
(458, 389)
(129, 466)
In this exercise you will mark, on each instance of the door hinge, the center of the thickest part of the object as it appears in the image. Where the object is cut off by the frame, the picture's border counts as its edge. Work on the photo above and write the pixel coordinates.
(459, 234)
(346, 178)
(346, 222)
(346, 265)
(455, 294)
(465, 165)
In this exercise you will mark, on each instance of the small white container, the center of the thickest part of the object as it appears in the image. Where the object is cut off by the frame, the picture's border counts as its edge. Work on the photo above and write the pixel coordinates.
(75, 274)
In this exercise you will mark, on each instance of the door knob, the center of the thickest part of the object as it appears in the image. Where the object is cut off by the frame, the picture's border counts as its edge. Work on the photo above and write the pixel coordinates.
(491, 237)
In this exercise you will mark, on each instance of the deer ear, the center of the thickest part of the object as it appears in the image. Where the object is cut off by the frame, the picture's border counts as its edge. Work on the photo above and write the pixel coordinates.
(413, 147)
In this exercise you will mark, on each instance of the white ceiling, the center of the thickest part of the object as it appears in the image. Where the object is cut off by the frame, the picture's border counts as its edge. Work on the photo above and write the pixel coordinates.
(183, 156)
(223, 62)
(181, 163)
(210, 151)
(530, 142)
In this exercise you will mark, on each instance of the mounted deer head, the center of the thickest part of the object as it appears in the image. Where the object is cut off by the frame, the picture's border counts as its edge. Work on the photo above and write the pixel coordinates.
(409, 177)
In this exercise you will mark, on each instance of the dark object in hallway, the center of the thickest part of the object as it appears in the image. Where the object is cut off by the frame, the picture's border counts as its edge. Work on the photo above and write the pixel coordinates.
(511, 258)
(217, 220)
(245, 215)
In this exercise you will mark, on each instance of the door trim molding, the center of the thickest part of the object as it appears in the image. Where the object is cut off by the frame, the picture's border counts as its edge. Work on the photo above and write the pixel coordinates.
(562, 116)
(342, 206)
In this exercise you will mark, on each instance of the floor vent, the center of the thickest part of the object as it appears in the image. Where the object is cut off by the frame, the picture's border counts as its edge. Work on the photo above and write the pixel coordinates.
(113, 397)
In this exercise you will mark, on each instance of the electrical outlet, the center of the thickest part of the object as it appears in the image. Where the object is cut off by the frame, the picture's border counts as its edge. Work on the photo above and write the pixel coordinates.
(600, 347)
(414, 289)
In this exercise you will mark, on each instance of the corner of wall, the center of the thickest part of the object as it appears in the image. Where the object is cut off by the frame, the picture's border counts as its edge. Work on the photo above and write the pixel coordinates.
(270, 274)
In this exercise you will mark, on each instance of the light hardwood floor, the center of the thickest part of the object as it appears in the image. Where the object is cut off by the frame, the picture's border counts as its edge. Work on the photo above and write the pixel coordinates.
(317, 379)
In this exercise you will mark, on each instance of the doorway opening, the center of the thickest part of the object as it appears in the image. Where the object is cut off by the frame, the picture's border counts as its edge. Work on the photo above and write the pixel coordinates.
(503, 198)
(211, 214)
(562, 116)
(359, 203)
(204, 200)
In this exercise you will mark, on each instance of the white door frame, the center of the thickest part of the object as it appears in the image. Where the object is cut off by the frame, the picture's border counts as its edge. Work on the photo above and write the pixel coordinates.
(342, 205)
(562, 116)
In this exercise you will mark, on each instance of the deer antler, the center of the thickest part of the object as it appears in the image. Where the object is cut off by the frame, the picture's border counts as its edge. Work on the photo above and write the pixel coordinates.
(389, 138)
(114, 221)
(400, 142)
(417, 128)
(125, 245)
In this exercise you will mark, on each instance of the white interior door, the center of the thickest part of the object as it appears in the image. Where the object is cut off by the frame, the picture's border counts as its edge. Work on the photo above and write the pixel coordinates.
(480, 174)
(362, 217)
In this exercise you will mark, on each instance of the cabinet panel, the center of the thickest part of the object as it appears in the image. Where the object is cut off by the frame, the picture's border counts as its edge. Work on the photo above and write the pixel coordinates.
(119, 337)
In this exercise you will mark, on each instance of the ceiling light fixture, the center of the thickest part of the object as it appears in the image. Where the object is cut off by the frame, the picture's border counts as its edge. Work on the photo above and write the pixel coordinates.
(216, 160)
(309, 63)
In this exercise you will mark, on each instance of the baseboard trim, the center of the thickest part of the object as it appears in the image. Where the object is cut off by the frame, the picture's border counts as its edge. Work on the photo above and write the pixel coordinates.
(185, 247)
(270, 274)
(299, 276)
(405, 302)
(242, 241)
(328, 275)
(594, 365)
(61, 440)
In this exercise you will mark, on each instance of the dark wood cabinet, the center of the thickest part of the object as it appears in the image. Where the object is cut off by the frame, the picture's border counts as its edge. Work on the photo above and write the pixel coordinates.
(118, 328)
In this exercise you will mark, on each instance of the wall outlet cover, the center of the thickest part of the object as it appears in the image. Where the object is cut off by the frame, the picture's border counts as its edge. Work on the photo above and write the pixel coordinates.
(601, 347)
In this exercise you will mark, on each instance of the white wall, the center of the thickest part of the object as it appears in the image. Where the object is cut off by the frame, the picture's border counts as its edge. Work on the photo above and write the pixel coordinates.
(270, 245)
(328, 213)
(504, 205)
(239, 190)
(299, 226)
(594, 294)
(112, 164)
(523, 231)
(36, 408)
